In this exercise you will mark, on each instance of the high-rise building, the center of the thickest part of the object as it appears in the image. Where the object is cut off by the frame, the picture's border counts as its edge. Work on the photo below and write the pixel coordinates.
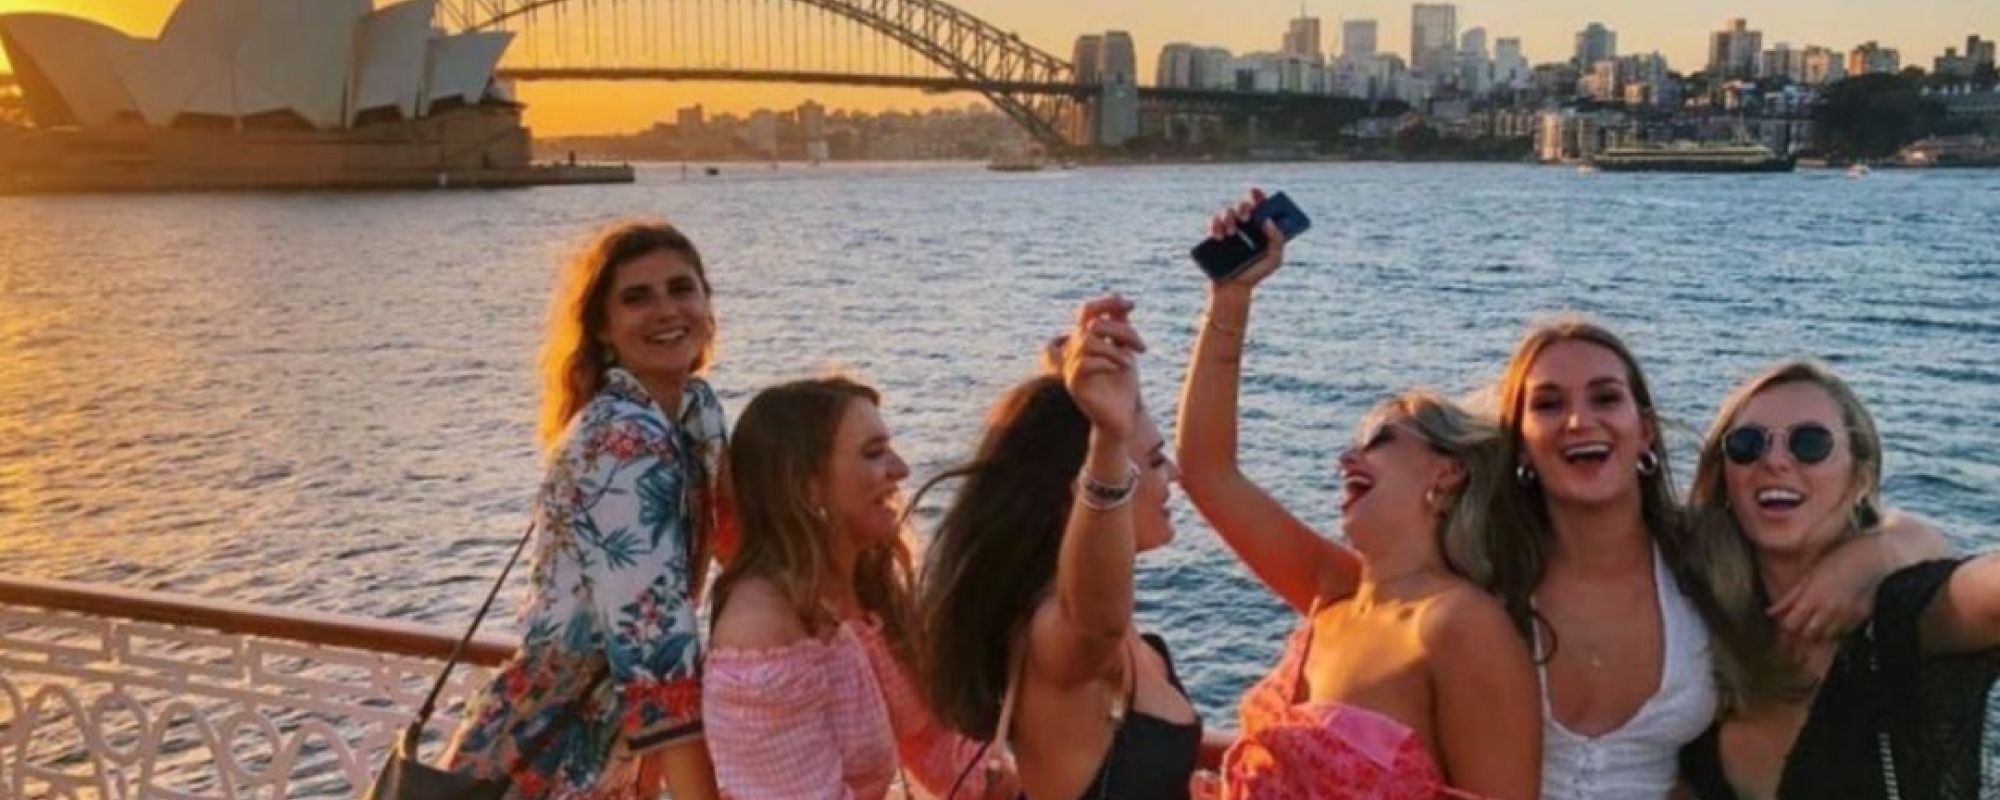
(1117, 63)
(1084, 57)
(1175, 68)
(1732, 51)
(1872, 58)
(1433, 38)
(1952, 65)
(1357, 40)
(1211, 68)
(1510, 65)
(1979, 51)
(1783, 62)
(762, 132)
(1593, 44)
(812, 120)
(1822, 66)
(1475, 70)
(688, 119)
(1302, 39)
(1473, 43)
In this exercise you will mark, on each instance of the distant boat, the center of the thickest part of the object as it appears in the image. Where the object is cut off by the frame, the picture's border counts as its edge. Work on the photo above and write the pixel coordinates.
(1858, 171)
(711, 170)
(1689, 157)
(1016, 162)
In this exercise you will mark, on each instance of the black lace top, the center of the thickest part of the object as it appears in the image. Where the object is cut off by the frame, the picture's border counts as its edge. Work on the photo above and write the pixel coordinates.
(1887, 721)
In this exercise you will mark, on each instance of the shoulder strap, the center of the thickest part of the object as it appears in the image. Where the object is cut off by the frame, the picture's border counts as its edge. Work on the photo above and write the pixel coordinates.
(1002, 752)
(415, 731)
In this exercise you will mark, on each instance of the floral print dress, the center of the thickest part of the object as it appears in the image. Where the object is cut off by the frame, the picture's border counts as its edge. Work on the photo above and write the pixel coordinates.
(609, 665)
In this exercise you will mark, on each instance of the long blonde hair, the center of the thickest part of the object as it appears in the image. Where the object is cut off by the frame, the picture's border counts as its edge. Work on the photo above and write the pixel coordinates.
(574, 357)
(784, 441)
(1472, 441)
(1753, 669)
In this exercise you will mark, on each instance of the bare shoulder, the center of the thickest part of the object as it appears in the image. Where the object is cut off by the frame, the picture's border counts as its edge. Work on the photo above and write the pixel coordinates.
(757, 615)
(1464, 619)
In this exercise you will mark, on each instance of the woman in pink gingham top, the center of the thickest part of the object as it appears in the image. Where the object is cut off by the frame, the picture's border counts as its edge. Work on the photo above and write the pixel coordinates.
(805, 693)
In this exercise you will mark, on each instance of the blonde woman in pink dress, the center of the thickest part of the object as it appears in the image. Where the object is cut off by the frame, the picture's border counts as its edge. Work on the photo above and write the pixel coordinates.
(1405, 679)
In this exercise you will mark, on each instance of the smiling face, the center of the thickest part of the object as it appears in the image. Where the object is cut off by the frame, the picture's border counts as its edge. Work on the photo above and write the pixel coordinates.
(657, 319)
(1392, 483)
(1152, 524)
(1582, 429)
(1783, 504)
(862, 487)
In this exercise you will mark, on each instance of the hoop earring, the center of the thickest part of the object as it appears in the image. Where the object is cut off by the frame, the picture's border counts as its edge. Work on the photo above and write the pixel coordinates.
(1649, 463)
(1524, 474)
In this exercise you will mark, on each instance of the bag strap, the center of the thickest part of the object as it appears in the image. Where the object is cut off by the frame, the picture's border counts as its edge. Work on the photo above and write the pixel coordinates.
(415, 730)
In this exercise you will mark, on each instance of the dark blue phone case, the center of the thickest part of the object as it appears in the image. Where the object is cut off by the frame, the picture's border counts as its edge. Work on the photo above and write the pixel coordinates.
(1223, 258)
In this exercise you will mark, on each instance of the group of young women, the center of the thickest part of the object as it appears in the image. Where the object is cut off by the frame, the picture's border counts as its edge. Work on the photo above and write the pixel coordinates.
(1523, 606)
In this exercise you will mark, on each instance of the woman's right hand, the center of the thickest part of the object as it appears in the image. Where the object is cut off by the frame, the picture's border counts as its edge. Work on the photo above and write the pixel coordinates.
(1228, 221)
(1100, 365)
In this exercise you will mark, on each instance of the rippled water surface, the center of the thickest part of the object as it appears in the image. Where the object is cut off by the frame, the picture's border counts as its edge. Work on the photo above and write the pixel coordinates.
(326, 401)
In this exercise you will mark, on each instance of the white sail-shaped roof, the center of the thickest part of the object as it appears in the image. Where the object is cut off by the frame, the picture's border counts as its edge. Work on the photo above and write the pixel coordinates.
(462, 66)
(301, 51)
(67, 55)
(389, 71)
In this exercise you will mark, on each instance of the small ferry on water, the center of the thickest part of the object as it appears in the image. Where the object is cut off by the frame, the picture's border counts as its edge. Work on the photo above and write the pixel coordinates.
(1690, 157)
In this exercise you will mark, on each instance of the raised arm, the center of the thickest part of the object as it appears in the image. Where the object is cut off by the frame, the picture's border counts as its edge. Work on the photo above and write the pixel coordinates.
(1488, 706)
(1093, 584)
(1296, 563)
(1965, 615)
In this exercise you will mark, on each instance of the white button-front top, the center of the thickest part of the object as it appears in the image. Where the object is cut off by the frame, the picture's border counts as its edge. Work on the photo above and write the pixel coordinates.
(1638, 760)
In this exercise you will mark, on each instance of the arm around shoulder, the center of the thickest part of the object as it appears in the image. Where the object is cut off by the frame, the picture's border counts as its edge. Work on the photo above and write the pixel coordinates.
(1486, 699)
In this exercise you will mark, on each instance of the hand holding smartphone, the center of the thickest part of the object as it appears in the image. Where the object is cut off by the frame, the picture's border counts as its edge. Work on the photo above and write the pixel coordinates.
(1223, 258)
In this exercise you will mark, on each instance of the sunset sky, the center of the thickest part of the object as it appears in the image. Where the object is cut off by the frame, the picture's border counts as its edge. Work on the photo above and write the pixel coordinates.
(1920, 29)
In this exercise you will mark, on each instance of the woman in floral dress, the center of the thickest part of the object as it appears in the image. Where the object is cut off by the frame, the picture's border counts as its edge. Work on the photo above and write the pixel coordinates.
(603, 700)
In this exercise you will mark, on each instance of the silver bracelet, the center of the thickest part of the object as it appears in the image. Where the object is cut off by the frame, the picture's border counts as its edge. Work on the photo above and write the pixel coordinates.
(1099, 496)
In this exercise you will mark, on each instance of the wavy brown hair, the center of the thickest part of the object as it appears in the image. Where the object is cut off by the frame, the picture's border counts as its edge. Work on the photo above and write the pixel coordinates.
(1522, 534)
(1754, 669)
(783, 443)
(574, 357)
(993, 557)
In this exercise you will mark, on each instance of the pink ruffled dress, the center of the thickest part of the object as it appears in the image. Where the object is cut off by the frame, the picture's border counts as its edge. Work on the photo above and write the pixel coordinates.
(833, 719)
(1292, 749)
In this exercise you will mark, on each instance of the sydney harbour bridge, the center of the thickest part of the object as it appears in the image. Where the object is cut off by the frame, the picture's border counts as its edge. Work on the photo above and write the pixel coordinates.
(924, 45)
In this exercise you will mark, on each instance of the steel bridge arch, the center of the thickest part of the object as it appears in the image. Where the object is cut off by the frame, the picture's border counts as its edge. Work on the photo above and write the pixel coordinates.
(970, 48)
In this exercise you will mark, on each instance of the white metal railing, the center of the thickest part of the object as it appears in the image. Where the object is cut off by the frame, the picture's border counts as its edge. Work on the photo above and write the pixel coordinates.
(121, 695)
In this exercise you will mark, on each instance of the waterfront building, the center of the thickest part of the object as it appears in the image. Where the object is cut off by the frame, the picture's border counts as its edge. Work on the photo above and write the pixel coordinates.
(1302, 40)
(1357, 40)
(1084, 57)
(1475, 69)
(1952, 65)
(1175, 68)
(688, 120)
(1782, 62)
(1433, 39)
(1822, 66)
(1732, 51)
(1510, 65)
(1593, 44)
(1871, 58)
(1117, 61)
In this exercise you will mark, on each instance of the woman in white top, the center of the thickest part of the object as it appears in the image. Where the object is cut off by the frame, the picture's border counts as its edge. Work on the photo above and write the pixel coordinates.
(1592, 559)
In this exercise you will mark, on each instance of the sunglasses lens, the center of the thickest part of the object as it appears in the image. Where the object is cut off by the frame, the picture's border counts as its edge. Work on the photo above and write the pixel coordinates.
(1744, 445)
(1811, 444)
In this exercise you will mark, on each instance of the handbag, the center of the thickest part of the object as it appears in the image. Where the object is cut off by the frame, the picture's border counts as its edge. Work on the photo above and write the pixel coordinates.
(405, 777)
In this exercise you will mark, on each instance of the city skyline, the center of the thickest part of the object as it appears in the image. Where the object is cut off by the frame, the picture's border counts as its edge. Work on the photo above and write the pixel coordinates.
(1546, 29)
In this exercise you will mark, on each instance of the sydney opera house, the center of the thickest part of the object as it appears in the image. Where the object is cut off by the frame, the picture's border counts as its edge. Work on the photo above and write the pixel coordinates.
(265, 94)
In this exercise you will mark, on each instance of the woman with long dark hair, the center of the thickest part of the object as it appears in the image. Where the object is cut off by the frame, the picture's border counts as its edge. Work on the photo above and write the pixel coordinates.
(603, 699)
(1027, 591)
(807, 693)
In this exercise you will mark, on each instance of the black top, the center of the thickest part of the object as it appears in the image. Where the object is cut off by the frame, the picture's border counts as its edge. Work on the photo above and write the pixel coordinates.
(1150, 758)
(1887, 722)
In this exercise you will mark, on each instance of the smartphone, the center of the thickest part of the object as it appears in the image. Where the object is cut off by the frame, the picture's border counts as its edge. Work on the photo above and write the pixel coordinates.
(1223, 258)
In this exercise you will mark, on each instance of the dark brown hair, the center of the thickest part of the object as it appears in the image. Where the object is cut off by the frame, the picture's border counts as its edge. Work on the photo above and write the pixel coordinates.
(994, 555)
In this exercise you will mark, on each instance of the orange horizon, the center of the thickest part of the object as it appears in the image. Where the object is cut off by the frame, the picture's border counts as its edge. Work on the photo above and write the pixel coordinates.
(1547, 28)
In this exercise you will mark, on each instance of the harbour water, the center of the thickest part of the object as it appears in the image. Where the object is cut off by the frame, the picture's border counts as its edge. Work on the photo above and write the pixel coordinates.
(326, 401)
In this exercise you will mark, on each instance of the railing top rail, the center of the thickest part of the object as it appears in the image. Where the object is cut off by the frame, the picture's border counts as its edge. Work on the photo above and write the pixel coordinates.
(310, 627)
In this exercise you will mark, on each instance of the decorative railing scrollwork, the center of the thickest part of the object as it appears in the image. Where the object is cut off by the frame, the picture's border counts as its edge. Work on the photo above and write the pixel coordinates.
(123, 695)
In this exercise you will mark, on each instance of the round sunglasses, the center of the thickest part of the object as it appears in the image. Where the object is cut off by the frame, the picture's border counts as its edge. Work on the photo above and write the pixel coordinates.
(1809, 443)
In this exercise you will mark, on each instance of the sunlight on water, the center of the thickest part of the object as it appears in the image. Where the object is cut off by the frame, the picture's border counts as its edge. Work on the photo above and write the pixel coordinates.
(326, 401)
